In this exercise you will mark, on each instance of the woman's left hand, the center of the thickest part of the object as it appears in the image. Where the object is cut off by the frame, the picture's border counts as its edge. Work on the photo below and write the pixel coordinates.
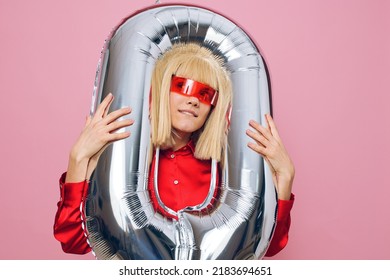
(269, 145)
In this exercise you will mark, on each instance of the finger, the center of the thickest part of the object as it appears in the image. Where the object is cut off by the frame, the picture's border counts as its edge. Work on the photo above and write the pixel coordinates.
(272, 126)
(261, 129)
(257, 148)
(114, 126)
(116, 136)
(260, 139)
(103, 106)
(105, 113)
(113, 116)
(262, 151)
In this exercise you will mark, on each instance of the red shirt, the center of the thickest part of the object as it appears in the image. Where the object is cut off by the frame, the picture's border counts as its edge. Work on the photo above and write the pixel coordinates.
(183, 181)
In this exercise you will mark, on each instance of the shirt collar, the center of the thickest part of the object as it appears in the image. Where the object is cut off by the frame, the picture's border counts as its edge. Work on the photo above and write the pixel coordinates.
(185, 150)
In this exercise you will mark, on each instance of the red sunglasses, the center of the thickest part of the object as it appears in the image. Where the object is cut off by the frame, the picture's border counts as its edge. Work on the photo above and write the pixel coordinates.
(206, 94)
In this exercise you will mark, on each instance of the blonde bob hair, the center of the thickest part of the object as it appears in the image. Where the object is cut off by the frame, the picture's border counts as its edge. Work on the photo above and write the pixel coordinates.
(195, 62)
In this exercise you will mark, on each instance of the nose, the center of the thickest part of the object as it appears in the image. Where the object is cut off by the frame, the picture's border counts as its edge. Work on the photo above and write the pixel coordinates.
(194, 101)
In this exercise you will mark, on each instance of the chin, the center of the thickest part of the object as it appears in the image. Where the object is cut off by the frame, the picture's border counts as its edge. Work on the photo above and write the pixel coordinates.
(185, 128)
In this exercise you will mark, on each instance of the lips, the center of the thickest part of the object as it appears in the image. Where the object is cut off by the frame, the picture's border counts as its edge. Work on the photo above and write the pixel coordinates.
(189, 112)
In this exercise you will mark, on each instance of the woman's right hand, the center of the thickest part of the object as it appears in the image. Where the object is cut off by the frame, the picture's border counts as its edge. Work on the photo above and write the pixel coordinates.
(99, 131)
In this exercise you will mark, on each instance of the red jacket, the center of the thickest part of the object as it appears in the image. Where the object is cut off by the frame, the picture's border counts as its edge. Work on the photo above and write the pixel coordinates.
(178, 188)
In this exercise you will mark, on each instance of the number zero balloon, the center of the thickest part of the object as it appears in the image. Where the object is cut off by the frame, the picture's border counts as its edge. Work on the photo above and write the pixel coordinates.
(119, 219)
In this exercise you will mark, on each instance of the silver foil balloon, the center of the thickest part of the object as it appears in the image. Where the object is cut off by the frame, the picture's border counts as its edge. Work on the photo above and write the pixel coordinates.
(119, 219)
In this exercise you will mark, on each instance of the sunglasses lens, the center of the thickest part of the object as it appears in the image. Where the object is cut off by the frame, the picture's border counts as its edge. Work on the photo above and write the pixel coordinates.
(203, 92)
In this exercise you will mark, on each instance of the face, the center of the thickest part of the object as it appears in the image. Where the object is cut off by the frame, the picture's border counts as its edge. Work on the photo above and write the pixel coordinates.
(190, 103)
(188, 114)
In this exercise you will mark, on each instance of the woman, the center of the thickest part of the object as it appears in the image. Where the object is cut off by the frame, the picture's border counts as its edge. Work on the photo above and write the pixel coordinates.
(190, 99)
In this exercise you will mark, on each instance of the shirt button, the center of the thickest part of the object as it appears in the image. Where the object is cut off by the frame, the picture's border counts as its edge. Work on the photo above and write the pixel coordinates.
(176, 182)
(172, 155)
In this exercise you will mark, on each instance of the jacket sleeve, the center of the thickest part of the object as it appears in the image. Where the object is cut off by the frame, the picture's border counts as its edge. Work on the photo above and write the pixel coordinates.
(68, 221)
(283, 221)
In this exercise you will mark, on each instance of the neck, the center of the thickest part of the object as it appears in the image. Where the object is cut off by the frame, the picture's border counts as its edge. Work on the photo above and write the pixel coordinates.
(180, 139)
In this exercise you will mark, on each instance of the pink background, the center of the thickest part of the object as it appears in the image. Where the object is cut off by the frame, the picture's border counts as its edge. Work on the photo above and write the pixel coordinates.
(330, 69)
